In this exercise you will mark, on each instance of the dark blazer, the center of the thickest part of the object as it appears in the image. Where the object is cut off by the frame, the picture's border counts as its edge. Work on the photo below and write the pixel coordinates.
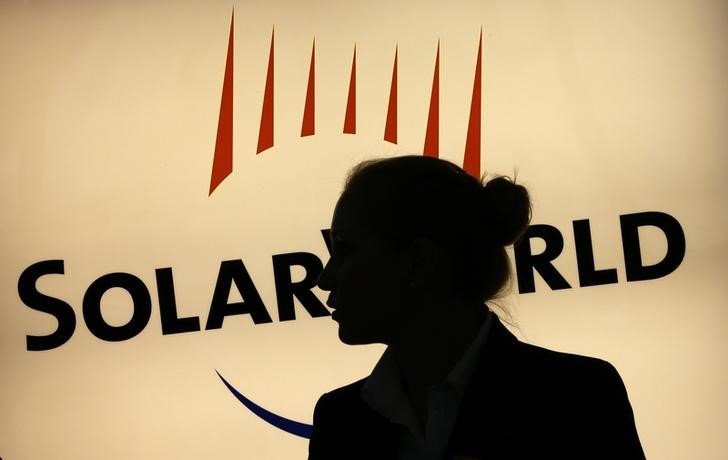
(523, 402)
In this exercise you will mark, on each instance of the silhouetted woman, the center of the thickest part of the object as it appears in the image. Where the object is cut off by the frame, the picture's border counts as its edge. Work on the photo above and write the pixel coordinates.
(418, 248)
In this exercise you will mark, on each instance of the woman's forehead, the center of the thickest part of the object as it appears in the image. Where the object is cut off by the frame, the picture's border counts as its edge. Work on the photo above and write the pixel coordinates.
(357, 212)
(347, 217)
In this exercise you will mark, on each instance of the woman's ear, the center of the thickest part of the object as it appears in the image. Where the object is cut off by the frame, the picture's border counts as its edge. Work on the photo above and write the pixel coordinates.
(423, 257)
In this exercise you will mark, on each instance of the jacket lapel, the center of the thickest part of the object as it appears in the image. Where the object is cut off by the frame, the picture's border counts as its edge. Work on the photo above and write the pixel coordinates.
(483, 427)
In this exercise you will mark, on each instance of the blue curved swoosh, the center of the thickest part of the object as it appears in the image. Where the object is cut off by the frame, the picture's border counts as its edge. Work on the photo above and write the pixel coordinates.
(289, 426)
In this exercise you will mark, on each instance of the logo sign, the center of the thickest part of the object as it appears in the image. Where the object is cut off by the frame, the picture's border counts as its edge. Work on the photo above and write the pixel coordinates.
(527, 260)
(169, 173)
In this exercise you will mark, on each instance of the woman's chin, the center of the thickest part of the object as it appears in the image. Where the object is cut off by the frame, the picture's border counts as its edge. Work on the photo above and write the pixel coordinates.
(350, 337)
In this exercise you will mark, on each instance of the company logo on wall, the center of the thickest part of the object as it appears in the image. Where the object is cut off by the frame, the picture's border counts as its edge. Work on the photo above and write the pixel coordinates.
(234, 271)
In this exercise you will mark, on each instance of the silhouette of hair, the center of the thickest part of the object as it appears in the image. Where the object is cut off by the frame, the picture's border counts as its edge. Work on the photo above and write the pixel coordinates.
(471, 220)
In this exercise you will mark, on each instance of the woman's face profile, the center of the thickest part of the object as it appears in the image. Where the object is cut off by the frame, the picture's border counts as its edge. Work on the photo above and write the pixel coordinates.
(366, 277)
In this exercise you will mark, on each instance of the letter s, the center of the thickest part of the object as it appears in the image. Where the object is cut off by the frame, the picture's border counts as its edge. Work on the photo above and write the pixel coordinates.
(47, 304)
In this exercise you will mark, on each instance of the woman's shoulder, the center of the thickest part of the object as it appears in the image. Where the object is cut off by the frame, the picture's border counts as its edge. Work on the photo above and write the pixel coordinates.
(569, 365)
(524, 358)
(345, 392)
(560, 378)
(547, 359)
(343, 399)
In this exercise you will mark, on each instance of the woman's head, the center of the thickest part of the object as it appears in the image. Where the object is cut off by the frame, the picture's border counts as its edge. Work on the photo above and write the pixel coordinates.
(414, 225)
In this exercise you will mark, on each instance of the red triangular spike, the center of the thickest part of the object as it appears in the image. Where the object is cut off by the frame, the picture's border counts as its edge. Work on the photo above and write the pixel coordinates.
(265, 133)
(471, 162)
(432, 135)
(222, 162)
(308, 124)
(390, 128)
(350, 117)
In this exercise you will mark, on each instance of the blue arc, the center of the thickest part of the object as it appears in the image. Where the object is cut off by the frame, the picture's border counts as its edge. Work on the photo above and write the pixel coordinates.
(289, 426)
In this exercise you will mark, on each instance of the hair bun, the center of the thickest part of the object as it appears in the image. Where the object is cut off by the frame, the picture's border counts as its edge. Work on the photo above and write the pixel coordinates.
(507, 208)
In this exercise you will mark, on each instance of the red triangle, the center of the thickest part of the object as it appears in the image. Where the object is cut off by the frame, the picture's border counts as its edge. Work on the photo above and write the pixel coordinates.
(265, 133)
(309, 119)
(432, 135)
(390, 128)
(471, 161)
(222, 162)
(350, 118)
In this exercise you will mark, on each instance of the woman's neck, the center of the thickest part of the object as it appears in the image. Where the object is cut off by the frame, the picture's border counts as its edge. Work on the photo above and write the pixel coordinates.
(431, 345)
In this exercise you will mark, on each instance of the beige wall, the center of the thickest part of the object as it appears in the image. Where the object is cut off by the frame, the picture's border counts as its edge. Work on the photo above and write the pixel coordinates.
(108, 115)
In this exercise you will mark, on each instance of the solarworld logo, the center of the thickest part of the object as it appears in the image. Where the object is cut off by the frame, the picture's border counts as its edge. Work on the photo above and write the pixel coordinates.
(234, 272)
